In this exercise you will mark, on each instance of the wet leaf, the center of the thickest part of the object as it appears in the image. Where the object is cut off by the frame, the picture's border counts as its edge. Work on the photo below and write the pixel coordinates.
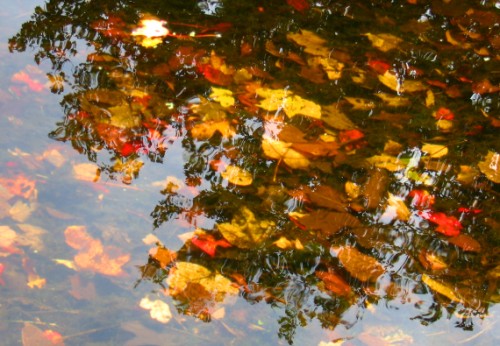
(20, 211)
(32, 236)
(431, 261)
(327, 197)
(358, 103)
(284, 243)
(465, 242)
(158, 309)
(490, 166)
(391, 81)
(33, 336)
(361, 266)
(92, 255)
(20, 186)
(396, 209)
(237, 176)
(299, 5)
(318, 148)
(312, 43)
(223, 96)
(393, 101)
(374, 188)
(333, 282)
(245, 230)
(327, 222)
(292, 105)
(440, 288)
(435, 150)
(207, 243)
(283, 152)
(384, 42)
(163, 255)
(447, 225)
(334, 117)
(391, 163)
(186, 273)
(207, 129)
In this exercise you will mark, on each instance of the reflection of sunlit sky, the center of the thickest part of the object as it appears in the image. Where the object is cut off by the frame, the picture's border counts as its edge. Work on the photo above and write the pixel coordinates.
(209, 7)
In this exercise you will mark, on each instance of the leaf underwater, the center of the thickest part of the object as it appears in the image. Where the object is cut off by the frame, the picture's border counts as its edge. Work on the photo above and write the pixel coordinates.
(282, 151)
(490, 166)
(361, 266)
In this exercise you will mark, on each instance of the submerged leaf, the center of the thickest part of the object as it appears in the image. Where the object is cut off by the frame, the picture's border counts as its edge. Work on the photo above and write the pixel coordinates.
(334, 282)
(237, 176)
(441, 288)
(327, 222)
(490, 166)
(384, 42)
(282, 151)
(361, 266)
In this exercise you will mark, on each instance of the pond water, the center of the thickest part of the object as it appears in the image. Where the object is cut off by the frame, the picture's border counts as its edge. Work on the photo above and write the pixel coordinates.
(259, 172)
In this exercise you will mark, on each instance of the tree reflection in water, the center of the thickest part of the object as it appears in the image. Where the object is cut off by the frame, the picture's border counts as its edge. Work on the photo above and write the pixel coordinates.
(310, 233)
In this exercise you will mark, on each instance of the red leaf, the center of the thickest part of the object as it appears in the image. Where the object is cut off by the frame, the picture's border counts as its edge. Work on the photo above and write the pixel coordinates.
(214, 76)
(379, 66)
(444, 114)
(208, 244)
(469, 210)
(299, 5)
(447, 225)
(350, 135)
(422, 199)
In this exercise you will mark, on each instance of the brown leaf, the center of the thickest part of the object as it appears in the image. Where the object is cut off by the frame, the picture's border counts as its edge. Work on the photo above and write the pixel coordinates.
(327, 222)
(327, 197)
(318, 148)
(334, 282)
(359, 265)
(374, 188)
(465, 242)
(335, 118)
(163, 255)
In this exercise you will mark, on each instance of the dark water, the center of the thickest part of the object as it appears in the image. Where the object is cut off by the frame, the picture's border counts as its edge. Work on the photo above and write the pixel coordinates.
(281, 172)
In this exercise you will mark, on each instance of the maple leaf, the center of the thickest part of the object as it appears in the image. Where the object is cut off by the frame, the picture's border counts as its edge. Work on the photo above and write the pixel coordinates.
(447, 225)
(208, 244)
(282, 151)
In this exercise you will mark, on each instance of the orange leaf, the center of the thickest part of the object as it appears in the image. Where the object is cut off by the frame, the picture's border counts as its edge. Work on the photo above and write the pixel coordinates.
(208, 244)
(447, 225)
(299, 5)
(20, 186)
(334, 283)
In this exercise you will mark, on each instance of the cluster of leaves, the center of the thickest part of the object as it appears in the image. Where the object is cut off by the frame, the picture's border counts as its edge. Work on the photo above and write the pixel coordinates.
(280, 168)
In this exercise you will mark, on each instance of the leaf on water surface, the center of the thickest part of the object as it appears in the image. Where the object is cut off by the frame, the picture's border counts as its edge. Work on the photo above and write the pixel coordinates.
(391, 81)
(237, 176)
(34, 280)
(273, 50)
(223, 96)
(299, 5)
(290, 133)
(245, 230)
(331, 67)
(8, 245)
(396, 209)
(440, 288)
(391, 163)
(92, 255)
(393, 101)
(333, 282)
(282, 151)
(158, 309)
(447, 225)
(431, 261)
(34, 336)
(312, 43)
(435, 150)
(361, 266)
(53, 156)
(384, 42)
(207, 242)
(358, 103)
(32, 236)
(327, 222)
(186, 273)
(374, 188)
(21, 211)
(318, 148)
(490, 166)
(207, 129)
(163, 255)
(465, 242)
(421, 199)
(292, 105)
(334, 117)
(327, 197)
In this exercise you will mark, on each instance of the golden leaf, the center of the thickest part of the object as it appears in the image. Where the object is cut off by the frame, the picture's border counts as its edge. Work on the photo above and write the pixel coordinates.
(391, 81)
(207, 129)
(435, 150)
(20, 211)
(384, 42)
(391, 163)
(292, 105)
(490, 166)
(401, 210)
(440, 288)
(282, 151)
(359, 265)
(312, 43)
(360, 103)
(237, 176)
(223, 96)
(393, 101)
(245, 230)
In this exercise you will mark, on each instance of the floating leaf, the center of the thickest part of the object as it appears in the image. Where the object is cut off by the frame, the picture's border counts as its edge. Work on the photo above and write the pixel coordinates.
(207, 129)
(334, 117)
(431, 261)
(359, 103)
(440, 288)
(245, 230)
(465, 242)
(223, 96)
(163, 256)
(447, 225)
(20, 211)
(318, 148)
(237, 176)
(396, 209)
(359, 265)
(490, 166)
(327, 222)
(282, 151)
(435, 150)
(292, 105)
(333, 282)
(388, 162)
(312, 43)
(393, 101)
(207, 243)
(327, 197)
(86, 172)
(384, 42)
(394, 83)
(158, 309)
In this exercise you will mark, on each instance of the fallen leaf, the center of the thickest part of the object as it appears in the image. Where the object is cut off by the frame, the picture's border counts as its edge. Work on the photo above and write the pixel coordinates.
(279, 99)
(223, 96)
(384, 42)
(334, 282)
(393, 101)
(312, 43)
(465, 242)
(361, 266)
(334, 117)
(20, 211)
(207, 243)
(158, 309)
(359, 103)
(33, 336)
(163, 255)
(431, 261)
(299, 5)
(86, 172)
(447, 225)
(237, 176)
(20, 186)
(327, 197)
(440, 288)
(435, 150)
(282, 151)
(490, 166)
(399, 85)
(207, 129)
(245, 230)
(391, 163)
(327, 222)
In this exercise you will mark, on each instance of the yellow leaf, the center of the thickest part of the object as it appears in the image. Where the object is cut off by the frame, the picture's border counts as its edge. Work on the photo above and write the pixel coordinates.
(360, 103)
(490, 166)
(281, 151)
(384, 42)
(207, 129)
(402, 211)
(296, 105)
(444, 125)
(20, 211)
(223, 96)
(67, 263)
(237, 176)
(150, 42)
(245, 230)
(312, 43)
(332, 67)
(440, 288)
(391, 81)
(391, 163)
(393, 101)
(435, 150)
(429, 99)
(292, 105)
(35, 281)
